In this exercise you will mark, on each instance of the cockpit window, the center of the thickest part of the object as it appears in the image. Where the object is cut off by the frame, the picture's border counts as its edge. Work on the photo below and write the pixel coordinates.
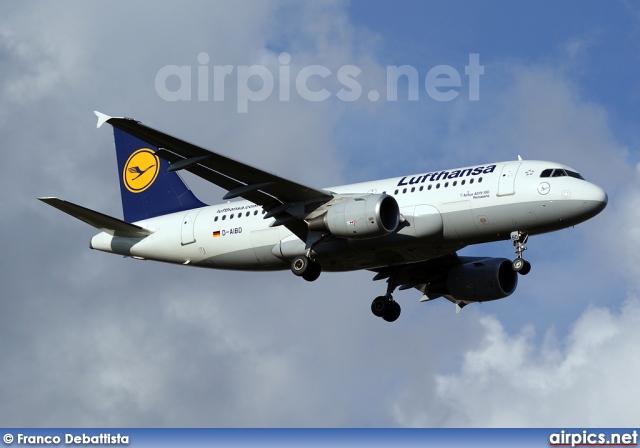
(559, 172)
(546, 173)
(574, 174)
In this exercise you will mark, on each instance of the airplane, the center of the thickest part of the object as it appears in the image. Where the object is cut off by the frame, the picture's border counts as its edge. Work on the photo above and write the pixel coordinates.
(407, 230)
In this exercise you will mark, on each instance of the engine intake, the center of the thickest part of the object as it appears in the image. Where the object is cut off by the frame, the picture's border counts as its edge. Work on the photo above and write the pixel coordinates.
(481, 280)
(366, 216)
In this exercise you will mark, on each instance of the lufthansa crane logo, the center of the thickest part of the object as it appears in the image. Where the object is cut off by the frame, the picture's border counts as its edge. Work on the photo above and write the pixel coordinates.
(140, 170)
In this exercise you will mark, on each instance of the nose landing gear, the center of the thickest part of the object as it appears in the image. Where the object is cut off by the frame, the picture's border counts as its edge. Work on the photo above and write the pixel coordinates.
(520, 265)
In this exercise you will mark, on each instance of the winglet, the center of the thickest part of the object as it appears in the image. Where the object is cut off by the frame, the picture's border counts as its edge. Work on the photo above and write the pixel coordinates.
(102, 118)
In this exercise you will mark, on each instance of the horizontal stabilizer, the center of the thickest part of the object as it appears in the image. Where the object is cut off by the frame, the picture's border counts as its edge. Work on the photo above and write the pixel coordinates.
(105, 223)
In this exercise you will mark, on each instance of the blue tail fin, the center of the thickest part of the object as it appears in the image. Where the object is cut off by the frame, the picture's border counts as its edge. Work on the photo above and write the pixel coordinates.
(147, 188)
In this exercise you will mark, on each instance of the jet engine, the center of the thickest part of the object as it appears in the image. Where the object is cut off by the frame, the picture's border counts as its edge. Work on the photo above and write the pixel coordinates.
(366, 216)
(479, 280)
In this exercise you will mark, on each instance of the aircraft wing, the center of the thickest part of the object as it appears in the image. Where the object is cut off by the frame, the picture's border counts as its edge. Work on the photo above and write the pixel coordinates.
(286, 200)
(428, 277)
(420, 275)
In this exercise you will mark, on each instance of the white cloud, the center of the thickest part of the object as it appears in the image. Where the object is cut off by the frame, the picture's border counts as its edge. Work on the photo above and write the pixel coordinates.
(576, 378)
(584, 380)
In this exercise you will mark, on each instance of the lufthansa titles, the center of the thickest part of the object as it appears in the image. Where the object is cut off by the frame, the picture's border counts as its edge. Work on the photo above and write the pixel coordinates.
(442, 175)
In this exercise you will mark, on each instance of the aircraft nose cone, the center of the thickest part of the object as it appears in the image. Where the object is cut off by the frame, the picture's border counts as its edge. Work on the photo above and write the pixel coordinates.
(595, 199)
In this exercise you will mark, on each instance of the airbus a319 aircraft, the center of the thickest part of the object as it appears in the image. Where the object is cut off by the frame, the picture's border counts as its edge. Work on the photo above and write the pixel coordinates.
(406, 230)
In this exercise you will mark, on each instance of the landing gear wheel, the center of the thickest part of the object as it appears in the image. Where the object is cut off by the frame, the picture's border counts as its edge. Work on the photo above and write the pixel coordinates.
(300, 265)
(393, 311)
(304, 267)
(518, 264)
(521, 266)
(313, 272)
(386, 307)
(380, 305)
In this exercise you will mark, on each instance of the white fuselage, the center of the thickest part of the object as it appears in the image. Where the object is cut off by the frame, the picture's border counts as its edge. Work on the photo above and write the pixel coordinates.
(441, 211)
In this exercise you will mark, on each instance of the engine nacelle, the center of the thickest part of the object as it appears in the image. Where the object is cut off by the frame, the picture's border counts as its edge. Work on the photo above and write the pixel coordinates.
(482, 280)
(366, 216)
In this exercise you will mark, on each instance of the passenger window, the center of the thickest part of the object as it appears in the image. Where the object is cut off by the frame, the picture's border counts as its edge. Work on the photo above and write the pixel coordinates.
(224, 217)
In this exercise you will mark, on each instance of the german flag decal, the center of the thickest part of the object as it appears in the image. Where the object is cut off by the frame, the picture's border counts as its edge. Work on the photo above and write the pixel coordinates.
(216, 234)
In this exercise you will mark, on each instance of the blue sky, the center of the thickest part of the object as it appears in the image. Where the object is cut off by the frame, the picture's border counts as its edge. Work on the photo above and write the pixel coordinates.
(593, 44)
(97, 340)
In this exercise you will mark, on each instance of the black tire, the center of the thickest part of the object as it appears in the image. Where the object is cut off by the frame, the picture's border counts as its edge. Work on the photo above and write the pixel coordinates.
(300, 265)
(380, 305)
(526, 268)
(518, 264)
(313, 272)
(393, 311)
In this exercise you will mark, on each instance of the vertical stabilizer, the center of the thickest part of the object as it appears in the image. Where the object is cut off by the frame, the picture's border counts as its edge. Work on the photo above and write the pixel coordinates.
(147, 188)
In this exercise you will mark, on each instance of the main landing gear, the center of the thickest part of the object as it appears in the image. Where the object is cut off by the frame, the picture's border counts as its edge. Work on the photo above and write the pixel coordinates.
(303, 266)
(384, 306)
(520, 265)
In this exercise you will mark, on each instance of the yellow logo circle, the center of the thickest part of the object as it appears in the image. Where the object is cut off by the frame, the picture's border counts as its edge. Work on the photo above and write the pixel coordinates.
(140, 170)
